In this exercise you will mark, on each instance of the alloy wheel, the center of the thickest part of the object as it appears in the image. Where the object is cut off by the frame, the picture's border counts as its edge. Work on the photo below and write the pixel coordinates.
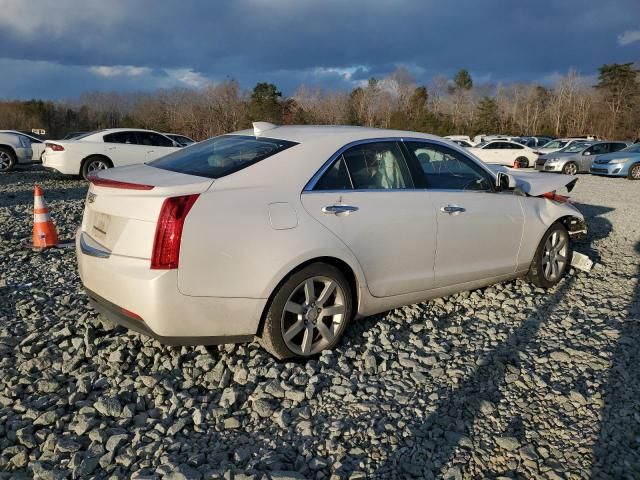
(571, 169)
(313, 315)
(96, 165)
(635, 172)
(555, 256)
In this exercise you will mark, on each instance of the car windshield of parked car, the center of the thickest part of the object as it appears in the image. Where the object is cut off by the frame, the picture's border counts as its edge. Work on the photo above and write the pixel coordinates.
(481, 144)
(555, 144)
(635, 148)
(575, 147)
(222, 155)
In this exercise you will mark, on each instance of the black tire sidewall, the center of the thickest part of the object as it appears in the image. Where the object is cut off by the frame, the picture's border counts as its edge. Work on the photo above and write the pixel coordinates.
(536, 273)
(281, 296)
(12, 159)
(523, 162)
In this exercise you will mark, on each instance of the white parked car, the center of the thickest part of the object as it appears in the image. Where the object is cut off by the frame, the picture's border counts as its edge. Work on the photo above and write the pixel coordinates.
(14, 149)
(37, 144)
(503, 152)
(287, 233)
(115, 147)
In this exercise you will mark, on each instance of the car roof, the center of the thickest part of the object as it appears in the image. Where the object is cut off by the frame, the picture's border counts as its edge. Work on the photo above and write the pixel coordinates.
(344, 133)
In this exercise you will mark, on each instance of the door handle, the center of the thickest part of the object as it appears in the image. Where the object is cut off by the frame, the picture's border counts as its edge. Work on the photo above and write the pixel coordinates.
(111, 148)
(339, 209)
(453, 209)
(150, 151)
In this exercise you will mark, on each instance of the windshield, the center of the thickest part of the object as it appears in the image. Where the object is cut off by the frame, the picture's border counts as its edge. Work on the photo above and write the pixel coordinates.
(220, 156)
(555, 144)
(635, 148)
(575, 147)
(481, 144)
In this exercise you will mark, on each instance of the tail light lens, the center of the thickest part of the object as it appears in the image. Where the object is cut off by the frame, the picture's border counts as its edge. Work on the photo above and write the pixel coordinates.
(166, 245)
(54, 146)
(555, 197)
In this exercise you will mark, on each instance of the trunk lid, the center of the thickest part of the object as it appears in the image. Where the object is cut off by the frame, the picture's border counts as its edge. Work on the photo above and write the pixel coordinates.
(121, 217)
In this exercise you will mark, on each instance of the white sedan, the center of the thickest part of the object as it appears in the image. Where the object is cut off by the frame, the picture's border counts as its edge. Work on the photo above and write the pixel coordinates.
(115, 147)
(503, 152)
(288, 233)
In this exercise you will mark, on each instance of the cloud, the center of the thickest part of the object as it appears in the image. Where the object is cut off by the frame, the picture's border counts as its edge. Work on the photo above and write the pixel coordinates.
(119, 71)
(329, 43)
(628, 37)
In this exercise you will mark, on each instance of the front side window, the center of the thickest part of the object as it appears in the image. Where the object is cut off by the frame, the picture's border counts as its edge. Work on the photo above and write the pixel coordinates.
(446, 169)
(126, 137)
(153, 139)
(222, 155)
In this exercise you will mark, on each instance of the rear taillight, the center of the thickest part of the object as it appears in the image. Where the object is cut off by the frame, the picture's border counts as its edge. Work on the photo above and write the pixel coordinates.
(166, 245)
(555, 197)
(54, 146)
(105, 182)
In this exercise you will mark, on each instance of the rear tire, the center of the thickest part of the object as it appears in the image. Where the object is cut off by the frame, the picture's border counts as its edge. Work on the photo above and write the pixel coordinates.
(94, 163)
(308, 313)
(552, 258)
(634, 172)
(570, 168)
(7, 159)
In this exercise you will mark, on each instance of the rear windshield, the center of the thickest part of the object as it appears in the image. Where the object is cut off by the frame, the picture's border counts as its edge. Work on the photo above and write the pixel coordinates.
(220, 156)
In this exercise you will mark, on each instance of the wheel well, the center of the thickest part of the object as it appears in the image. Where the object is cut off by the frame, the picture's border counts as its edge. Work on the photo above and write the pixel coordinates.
(9, 147)
(93, 155)
(336, 262)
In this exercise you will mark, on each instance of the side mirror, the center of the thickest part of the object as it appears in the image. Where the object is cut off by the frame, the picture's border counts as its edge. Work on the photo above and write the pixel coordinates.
(587, 153)
(504, 181)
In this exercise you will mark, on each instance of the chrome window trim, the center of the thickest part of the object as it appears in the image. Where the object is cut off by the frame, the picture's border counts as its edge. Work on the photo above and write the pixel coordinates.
(92, 251)
(309, 187)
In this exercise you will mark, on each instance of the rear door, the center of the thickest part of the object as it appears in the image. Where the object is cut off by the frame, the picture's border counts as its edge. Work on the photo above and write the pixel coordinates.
(368, 199)
(479, 229)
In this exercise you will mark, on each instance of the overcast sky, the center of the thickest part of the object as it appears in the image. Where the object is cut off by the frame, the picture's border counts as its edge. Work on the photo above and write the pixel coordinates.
(61, 48)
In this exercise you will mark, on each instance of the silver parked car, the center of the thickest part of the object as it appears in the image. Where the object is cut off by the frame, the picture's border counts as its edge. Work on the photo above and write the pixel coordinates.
(288, 233)
(577, 157)
(15, 148)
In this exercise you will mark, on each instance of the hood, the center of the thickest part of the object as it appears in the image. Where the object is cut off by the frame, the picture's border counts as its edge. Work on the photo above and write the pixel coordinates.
(558, 154)
(535, 184)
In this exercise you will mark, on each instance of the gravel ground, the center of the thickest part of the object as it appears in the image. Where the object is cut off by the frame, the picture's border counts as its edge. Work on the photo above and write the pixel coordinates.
(508, 381)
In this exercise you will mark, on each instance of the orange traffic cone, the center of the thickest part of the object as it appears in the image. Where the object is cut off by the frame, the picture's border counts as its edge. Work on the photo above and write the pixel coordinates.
(516, 164)
(44, 231)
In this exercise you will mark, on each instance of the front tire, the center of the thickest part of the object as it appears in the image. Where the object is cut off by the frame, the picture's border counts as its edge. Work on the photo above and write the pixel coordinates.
(634, 172)
(94, 164)
(521, 162)
(308, 313)
(570, 168)
(552, 258)
(7, 159)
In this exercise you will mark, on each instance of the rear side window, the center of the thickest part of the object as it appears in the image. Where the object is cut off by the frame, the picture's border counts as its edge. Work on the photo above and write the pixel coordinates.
(222, 155)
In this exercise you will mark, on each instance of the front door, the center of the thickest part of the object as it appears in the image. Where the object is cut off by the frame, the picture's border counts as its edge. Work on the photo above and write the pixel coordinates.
(368, 200)
(479, 229)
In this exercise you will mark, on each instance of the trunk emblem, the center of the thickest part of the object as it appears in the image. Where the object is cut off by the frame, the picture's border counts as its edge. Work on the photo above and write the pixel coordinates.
(91, 197)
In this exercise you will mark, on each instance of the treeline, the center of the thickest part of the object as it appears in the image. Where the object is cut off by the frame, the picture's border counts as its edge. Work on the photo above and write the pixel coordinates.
(572, 106)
